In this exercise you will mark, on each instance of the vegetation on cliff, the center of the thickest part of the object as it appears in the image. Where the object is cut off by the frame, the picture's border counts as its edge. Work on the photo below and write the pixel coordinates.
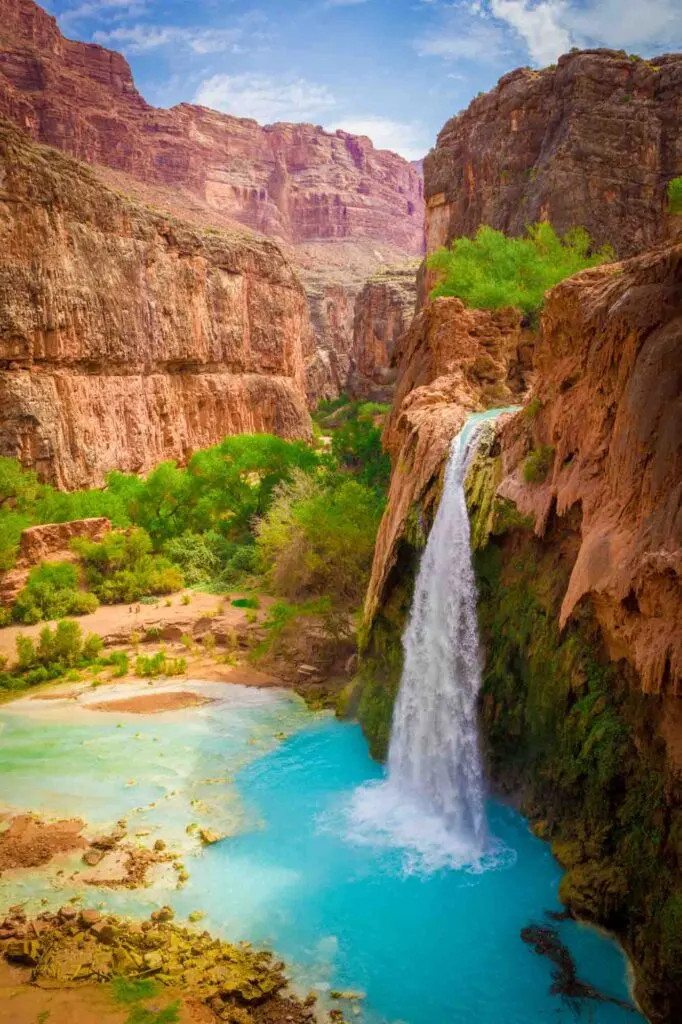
(675, 196)
(571, 732)
(492, 271)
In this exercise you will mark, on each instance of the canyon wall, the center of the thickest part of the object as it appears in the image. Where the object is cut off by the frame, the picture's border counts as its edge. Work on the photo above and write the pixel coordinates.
(128, 337)
(576, 505)
(296, 182)
(591, 142)
(383, 312)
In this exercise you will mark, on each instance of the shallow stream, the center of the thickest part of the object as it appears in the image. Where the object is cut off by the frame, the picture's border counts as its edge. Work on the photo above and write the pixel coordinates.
(302, 868)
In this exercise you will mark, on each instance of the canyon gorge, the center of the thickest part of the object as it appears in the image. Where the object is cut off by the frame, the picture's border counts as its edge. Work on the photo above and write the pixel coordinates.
(477, 509)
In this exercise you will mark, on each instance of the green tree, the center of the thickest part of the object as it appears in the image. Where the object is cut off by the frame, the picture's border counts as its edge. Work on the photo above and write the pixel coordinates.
(492, 271)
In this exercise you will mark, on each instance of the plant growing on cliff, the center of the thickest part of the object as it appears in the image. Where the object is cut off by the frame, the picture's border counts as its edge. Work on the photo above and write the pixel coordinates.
(492, 271)
(675, 195)
(538, 464)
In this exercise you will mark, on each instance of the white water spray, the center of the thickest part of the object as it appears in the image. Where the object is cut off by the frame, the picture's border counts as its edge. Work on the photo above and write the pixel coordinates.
(434, 797)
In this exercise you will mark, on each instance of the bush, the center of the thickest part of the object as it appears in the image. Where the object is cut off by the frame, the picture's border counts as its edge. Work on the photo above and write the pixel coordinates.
(121, 567)
(246, 602)
(492, 271)
(318, 541)
(50, 593)
(675, 195)
(357, 447)
(538, 464)
(151, 666)
(57, 651)
(195, 554)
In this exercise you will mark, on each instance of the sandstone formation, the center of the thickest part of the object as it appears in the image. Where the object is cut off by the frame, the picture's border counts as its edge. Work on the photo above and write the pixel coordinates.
(49, 542)
(609, 413)
(128, 337)
(383, 312)
(309, 188)
(591, 142)
(452, 361)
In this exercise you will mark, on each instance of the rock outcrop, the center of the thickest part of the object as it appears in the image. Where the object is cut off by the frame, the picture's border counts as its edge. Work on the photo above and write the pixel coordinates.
(577, 513)
(452, 361)
(608, 413)
(312, 189)
(383, 312)
(591, 142)
(128, 337)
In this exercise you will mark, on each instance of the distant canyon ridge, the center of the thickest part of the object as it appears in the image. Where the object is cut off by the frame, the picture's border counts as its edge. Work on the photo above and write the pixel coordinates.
(324, 235)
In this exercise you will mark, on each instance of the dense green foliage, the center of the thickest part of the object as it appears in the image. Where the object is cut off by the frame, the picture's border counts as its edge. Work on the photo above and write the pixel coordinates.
(58, 650)
(52, 591)
(121, 567)
(356, 445)
(675, 195)
(492, 271)
(318, 538)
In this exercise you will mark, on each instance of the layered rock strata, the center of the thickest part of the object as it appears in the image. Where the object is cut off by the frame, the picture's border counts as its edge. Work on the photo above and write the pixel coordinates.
(383, 312)
(591, 142)
(128, 337)
(343, 206)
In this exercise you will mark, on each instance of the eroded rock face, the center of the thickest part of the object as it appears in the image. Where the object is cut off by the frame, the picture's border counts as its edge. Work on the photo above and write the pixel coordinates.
(609, 415)
(591, 142)
(128, 337)
(452, 361)
(317, 191)
(383, 312)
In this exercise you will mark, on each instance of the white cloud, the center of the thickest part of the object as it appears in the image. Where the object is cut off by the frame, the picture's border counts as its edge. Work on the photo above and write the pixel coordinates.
(490, 30)
(407, 138)
(143, 38)
(464, 39)
(98, 9)
(539, 25)
(265, 99)
(628, 24)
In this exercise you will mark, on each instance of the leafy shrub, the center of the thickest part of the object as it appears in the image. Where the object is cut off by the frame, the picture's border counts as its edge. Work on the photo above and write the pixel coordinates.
(318, 541)
(120, 662)
(121, 567)
(195, 554)
(538, 464)
(50, 593)
(675, 195)
(246, 602)
(356, 446)
(57, 651)
(492, 271)
(5, 617)
(159, 664)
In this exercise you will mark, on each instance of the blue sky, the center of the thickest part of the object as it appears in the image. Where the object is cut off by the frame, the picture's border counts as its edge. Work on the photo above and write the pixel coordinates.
(395, 70)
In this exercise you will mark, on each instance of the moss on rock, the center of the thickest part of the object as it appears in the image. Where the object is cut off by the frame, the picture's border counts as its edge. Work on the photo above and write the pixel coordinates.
(571, 734)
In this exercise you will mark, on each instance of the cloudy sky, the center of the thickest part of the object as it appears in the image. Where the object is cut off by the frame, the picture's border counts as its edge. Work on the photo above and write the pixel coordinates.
(391, 69)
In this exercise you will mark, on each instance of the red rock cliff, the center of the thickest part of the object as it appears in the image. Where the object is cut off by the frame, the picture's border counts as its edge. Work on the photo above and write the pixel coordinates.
(127, 337)
(609, 409)
(383, 312)
(590, 142)
(316, 190)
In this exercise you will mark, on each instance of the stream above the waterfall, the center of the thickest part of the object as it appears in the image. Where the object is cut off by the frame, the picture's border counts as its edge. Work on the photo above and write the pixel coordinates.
(347, 908)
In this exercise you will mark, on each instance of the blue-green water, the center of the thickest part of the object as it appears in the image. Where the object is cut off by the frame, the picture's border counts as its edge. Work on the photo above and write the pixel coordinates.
(344, 906)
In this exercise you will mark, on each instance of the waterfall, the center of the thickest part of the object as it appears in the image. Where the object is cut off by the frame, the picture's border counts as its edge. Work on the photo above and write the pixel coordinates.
(434, 793)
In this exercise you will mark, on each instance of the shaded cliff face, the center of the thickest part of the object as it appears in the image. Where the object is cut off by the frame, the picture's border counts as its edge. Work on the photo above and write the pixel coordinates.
(383, 312)
(577, 511)
(312, 189)
(591, 142)
(127, 337)
(609, 416)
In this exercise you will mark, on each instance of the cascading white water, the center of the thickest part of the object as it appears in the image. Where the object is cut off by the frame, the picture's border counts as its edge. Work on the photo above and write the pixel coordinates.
(434, 754)
(433, 800)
